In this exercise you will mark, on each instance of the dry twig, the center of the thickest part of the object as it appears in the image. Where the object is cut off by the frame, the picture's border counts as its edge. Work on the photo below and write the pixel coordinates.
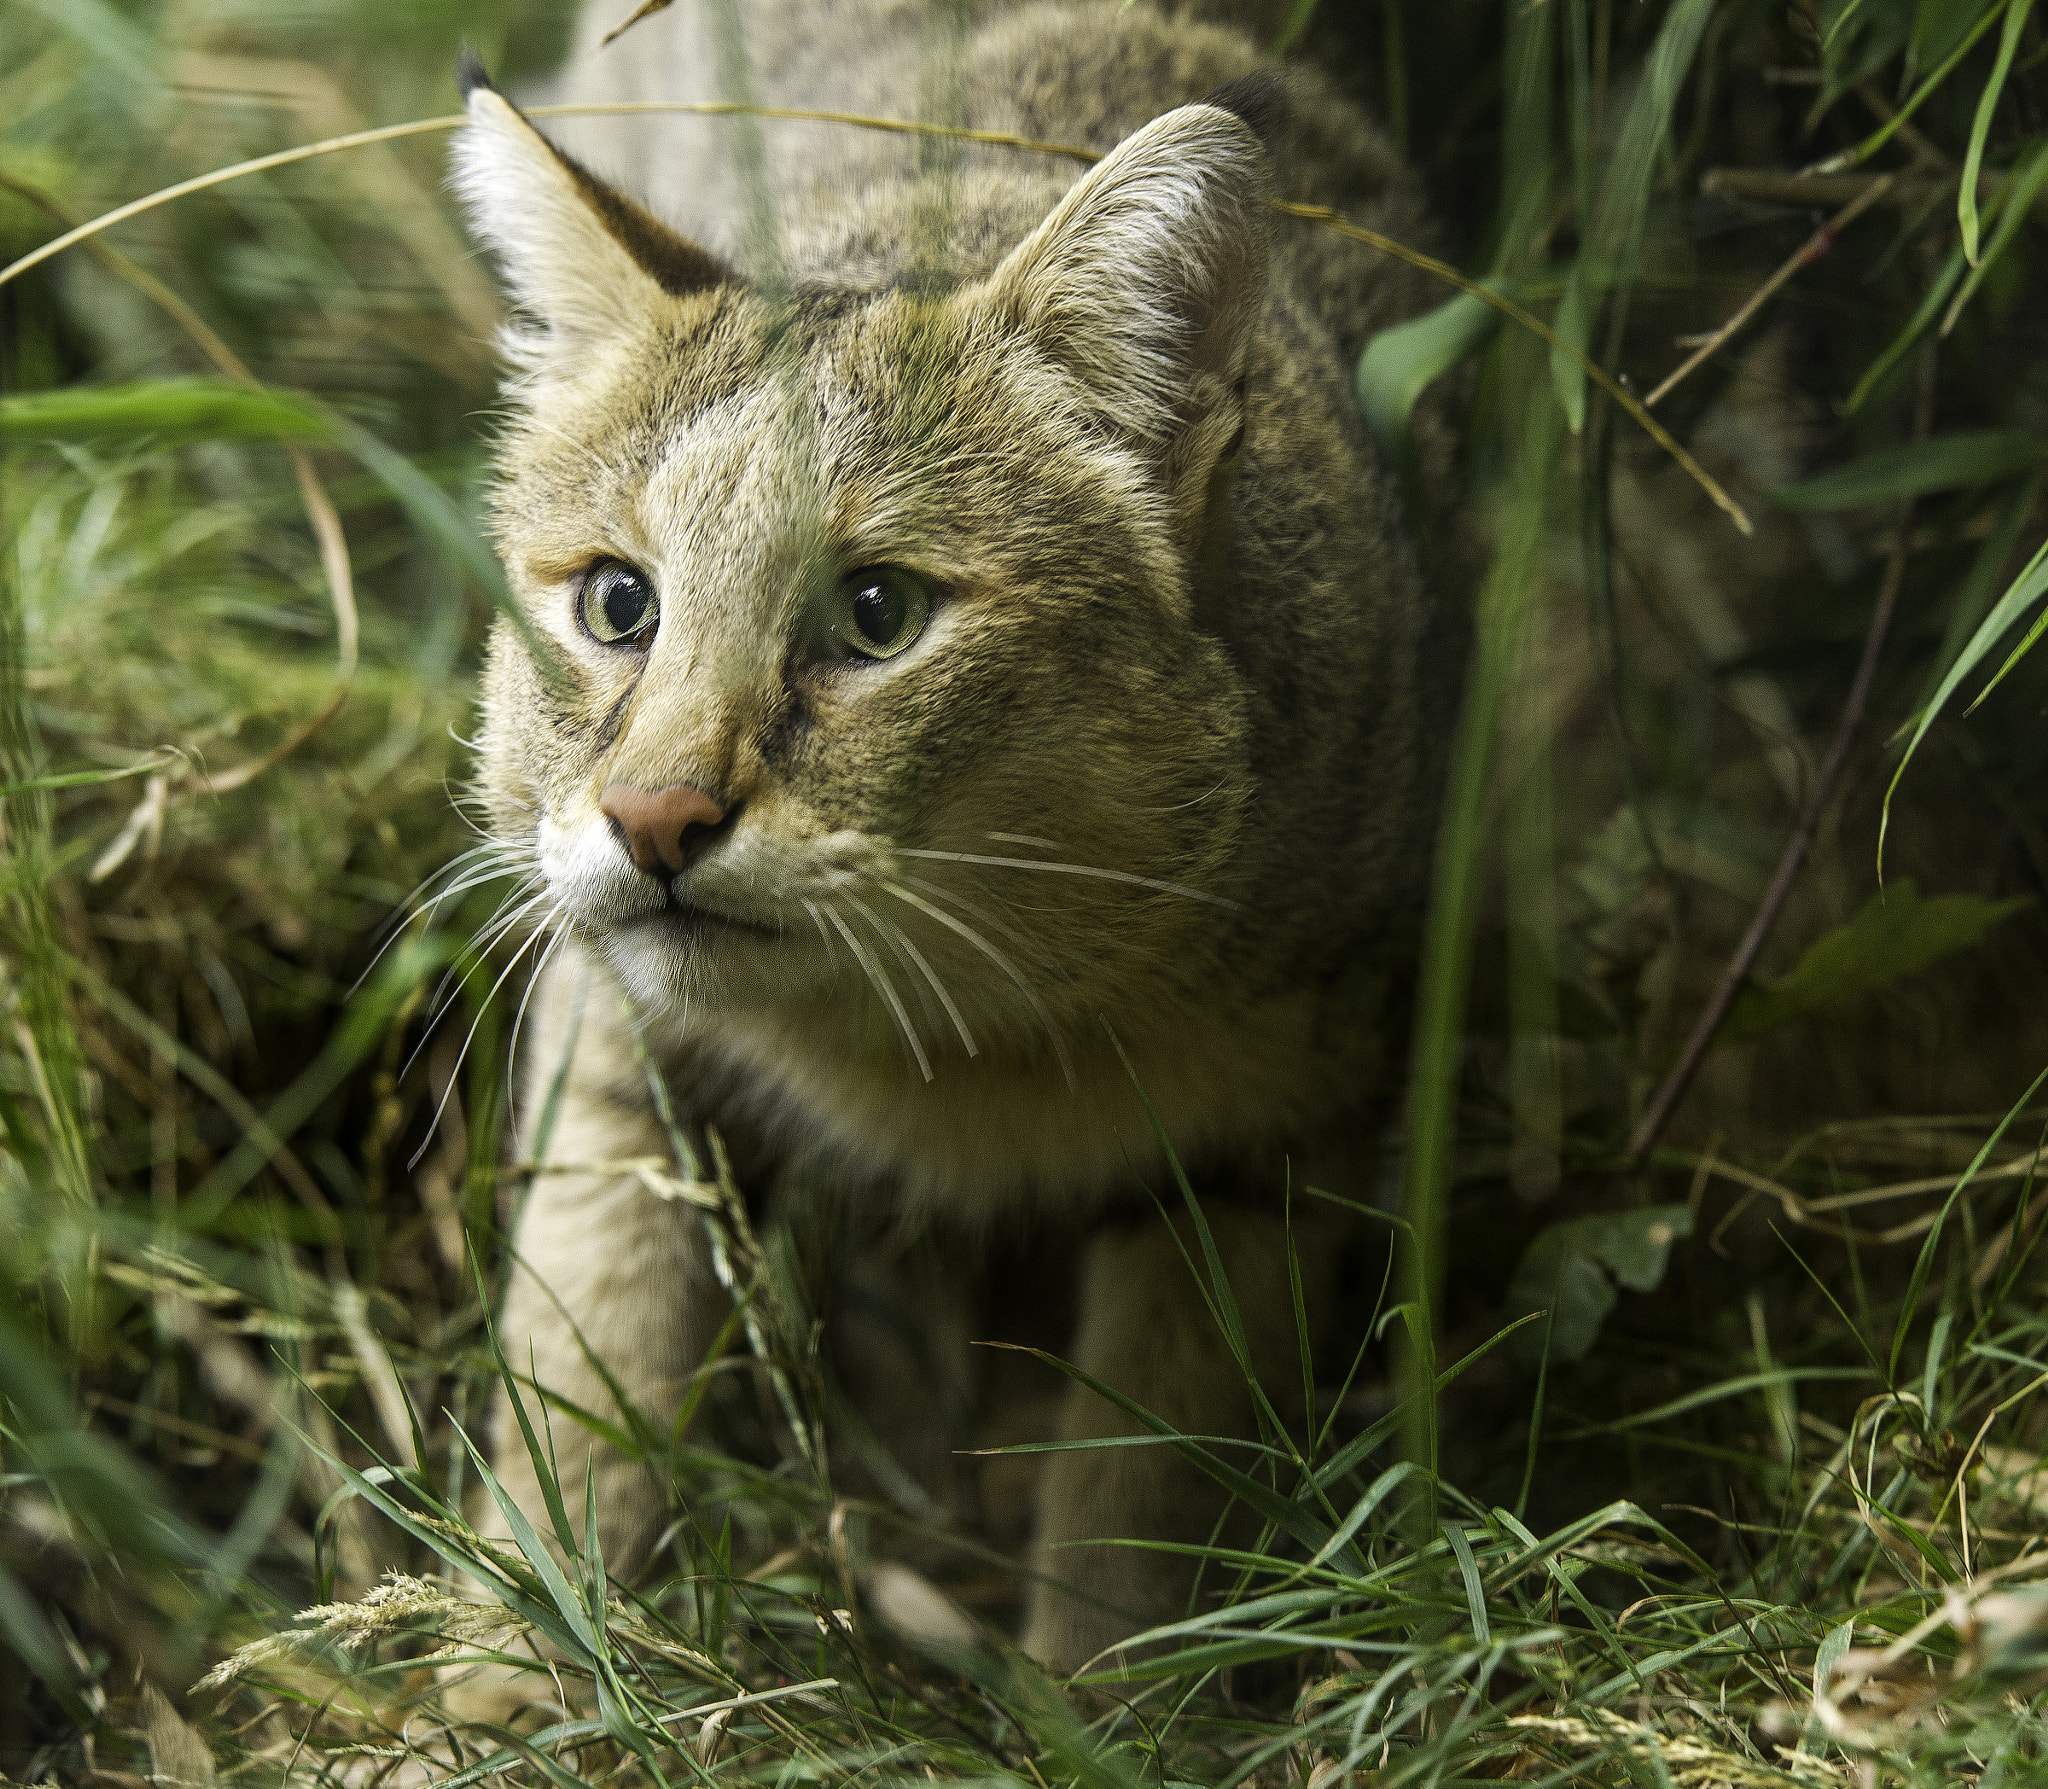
(1793, 858)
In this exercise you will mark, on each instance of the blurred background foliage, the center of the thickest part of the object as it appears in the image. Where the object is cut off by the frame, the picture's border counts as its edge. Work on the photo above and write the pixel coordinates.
(228, 1230)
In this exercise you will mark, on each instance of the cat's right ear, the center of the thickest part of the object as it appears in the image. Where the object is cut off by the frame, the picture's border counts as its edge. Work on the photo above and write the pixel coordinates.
(579, 257)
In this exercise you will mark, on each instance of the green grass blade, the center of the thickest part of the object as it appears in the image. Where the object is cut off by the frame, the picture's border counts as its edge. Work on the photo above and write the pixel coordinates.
(2020, 595)
(567, 1603)
(2012, 205)
(1880, 371)
(1877, 139)
(165, 411)
(1980, 127)
(543, 1466)
(1284, 1513)
(1924, 1264)
(1468, 1570)
(1438, 1044)
(1945, 463)
(1360, 1447)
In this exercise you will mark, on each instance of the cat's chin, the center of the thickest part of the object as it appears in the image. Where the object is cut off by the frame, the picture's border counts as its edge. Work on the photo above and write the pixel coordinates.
(689, 957)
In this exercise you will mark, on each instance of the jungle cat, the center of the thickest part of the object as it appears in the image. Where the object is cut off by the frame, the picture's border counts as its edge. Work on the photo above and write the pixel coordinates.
(994, 674)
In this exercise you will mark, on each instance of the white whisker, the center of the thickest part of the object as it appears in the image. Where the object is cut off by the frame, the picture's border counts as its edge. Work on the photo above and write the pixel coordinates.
(455, 976)
(883, 987)
(1075, 869)
(899, 941)
(468, 865)
(831, 956)
(999, 960)
(540, 968)
(455, 1069)
(1019, 941)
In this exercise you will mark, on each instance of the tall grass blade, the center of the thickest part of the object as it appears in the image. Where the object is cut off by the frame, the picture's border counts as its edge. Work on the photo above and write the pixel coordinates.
(2016, 12)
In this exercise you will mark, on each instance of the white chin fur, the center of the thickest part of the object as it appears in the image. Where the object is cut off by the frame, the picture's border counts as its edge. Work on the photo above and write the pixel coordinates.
(594, 877)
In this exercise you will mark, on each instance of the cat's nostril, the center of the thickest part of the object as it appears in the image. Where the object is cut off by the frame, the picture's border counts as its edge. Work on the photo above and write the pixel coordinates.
(664, 828)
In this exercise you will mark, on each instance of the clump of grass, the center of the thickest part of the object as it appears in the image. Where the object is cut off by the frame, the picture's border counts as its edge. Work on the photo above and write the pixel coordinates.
(1884, 1620)
(1753, 1502)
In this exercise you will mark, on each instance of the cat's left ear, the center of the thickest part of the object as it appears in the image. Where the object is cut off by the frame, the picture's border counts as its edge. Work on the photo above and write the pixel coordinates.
(579, 257)
(1145, 283)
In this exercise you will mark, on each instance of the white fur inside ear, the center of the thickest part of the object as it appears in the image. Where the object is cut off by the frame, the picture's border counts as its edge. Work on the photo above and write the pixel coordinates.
(1146, 280)
(563, 269)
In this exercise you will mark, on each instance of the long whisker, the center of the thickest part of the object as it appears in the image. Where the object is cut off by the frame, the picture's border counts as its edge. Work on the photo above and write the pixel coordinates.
(1075, 869)
(515, 907)
(540, 968)
(455, 1070)
(899, 941)
(1018, 941)
(882, 985)
(478, 865)
(454, 978)
(817, 919)
(928, 1009)
(999, 960)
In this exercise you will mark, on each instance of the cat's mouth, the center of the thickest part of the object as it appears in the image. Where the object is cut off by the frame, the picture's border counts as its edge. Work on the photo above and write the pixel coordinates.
(693, 923)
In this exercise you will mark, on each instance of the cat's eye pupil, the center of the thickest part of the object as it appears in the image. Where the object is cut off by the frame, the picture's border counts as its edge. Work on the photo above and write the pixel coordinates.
(617, 603)
(878, 612)
(881, 610)
(625, 604)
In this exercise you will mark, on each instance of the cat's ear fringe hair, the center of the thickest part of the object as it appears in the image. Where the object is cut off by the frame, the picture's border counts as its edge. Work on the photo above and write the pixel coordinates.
(1161, 245)
(524, 338)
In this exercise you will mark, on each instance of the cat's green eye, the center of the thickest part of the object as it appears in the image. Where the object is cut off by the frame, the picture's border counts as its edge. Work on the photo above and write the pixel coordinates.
(878, 611)
(616, 604)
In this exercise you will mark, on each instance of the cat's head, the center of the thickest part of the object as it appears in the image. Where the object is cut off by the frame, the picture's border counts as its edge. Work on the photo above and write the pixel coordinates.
(858, 670)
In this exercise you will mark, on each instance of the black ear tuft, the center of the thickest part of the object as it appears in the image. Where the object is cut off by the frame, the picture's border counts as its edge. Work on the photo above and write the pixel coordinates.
(1259, 99)
(470, 74)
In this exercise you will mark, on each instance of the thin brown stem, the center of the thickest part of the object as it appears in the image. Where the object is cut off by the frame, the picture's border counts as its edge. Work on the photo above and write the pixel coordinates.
(1614, 388)
(1316, 214)
(1808, 252)
(1777, 186)
(1793, 858)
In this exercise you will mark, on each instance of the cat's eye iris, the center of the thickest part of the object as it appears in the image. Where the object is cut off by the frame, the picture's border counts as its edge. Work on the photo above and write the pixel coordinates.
(879, 611)
(617, 604)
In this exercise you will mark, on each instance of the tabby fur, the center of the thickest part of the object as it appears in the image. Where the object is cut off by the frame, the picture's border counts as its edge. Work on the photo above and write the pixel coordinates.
(1148, 803)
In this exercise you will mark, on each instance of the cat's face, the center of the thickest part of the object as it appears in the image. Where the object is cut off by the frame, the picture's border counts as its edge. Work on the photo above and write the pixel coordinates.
(876, 691)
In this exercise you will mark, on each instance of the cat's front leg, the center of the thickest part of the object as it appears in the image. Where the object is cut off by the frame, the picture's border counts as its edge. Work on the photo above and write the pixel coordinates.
(597, 1255)
(1146, 1331)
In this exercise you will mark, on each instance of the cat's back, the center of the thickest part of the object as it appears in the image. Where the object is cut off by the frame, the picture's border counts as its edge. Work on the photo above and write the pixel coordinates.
(834, 201)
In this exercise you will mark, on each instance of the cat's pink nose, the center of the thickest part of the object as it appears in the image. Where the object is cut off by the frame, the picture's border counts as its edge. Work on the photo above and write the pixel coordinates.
(663, 829)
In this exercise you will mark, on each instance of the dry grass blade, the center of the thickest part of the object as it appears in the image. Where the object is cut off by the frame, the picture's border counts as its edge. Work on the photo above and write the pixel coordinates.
(1319, 215)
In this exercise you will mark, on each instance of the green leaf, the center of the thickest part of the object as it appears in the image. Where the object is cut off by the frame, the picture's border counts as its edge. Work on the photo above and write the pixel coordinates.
(1399, 364)
(1938, 26)
(2019, 596)
(162, 410)
(1944, 463)
(1879, 372)
(2011, 205)
(1980, 129)
(1895, 935)
(1573, 324)
(1571, 1268)
(1883, 134)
